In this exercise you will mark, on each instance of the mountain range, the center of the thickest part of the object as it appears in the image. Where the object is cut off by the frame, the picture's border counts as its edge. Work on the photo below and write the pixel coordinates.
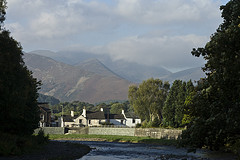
(94, 78)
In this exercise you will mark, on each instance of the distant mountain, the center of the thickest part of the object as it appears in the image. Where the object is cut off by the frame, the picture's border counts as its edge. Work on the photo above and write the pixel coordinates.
(70, 83)
(95, 66)
(135, 72)
(193, 73)
(131, 71)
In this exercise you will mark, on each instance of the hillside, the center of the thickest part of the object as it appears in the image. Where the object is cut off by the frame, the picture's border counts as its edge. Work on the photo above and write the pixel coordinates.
(193, 73)
(70, 83)
(131, 71)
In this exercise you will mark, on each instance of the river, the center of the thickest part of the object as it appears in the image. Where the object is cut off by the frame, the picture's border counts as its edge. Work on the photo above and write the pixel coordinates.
(131, 151)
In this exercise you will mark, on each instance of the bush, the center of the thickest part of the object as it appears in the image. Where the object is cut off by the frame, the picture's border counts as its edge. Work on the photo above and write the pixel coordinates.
(41, 138)
(16, 145)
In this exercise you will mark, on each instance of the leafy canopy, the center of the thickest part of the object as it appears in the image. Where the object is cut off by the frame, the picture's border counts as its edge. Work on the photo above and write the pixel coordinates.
(215, 108)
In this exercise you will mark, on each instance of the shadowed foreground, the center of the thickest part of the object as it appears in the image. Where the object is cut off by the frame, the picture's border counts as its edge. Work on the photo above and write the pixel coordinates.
(55, 151)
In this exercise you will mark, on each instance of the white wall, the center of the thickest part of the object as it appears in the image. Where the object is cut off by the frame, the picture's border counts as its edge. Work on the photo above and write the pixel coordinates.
(130, 123)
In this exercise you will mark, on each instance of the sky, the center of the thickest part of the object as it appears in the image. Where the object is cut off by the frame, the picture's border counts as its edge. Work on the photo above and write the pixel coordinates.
(150, 32)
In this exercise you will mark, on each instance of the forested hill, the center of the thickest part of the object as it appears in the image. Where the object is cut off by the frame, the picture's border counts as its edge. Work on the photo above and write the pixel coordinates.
(49, 99)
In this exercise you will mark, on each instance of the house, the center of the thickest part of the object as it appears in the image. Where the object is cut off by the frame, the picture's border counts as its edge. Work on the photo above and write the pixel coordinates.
(131, 119)
(116, 119)
(45, 115)
(89, 118)
(67, 120)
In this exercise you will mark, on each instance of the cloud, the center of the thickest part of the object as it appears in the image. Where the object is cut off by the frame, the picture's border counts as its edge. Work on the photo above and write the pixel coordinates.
(167, 12)
(168, 51)
(152, 32)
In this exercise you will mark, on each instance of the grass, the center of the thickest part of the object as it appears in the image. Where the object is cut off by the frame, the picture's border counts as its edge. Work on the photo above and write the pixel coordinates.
(114, 138)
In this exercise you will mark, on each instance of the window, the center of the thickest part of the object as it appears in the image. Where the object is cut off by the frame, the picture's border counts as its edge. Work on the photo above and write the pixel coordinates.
(121, 121)
(41, 117)
(133, 121)
(80, 120)
(89, 121)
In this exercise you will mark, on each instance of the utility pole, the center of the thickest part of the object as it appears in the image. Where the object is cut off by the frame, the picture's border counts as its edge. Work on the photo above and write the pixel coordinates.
(62, 125)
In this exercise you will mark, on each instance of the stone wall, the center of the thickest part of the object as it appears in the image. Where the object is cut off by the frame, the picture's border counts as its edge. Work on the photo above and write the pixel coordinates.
(78, 130)
(140, 132)
(112, 131)
(158, 133)
(51, 130)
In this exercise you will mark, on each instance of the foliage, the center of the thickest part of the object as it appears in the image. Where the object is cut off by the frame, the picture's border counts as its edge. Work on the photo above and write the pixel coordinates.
(173, 110)
(50, 99)
(215, 108)
(15, 145)
(148, 99)
(3, 7)
(116, 108)
(77, 107)
(18, 90)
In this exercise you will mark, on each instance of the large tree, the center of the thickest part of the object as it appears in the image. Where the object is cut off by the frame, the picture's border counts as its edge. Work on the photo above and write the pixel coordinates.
(148, 98)
(215, 108)
(19, 113)
(2, 12)
(173, 110)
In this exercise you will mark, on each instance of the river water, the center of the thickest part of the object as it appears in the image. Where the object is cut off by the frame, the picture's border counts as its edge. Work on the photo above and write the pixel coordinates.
(130, 151)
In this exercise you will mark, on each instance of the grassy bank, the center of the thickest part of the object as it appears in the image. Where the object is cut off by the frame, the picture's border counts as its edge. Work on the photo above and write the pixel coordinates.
(113, 138)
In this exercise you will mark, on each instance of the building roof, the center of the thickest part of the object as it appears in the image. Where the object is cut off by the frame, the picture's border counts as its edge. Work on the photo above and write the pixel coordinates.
(45, 109)
(95, 115)
(67, 118)
(114, 116)
(131, 115)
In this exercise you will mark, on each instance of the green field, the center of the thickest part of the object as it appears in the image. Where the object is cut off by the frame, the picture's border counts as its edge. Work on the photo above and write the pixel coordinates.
(113, 138)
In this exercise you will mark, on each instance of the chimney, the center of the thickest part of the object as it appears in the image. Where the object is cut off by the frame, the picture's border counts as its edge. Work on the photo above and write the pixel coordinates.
(84, 113)
(72, 113)
(101, 109)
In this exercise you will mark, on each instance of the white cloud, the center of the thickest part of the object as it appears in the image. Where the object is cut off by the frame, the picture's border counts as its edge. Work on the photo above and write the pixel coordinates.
(167, 51)
(165, 11)
(160, 32)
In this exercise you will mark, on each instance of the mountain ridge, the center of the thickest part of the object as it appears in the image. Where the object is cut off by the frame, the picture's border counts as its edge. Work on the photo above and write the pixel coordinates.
(69, 83)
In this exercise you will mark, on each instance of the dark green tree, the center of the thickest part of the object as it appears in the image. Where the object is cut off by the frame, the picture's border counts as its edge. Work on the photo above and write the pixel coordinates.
(3, 7)
(116, 108)
(180, 99)
(18, 90)
(148, 98)
(190, 93)
(215, 108)
(19, 112)
(170, 104)
(173, 110)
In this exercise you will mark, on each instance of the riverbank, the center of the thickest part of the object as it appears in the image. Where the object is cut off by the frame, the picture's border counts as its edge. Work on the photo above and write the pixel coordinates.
(54, 151)
(114, 138)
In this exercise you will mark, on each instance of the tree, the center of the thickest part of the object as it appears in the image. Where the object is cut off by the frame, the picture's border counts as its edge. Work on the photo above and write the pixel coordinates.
(215, 108)
(173, 110)
(116, 108)
(2, 12)
(19, 113)
(148, 98)
(190, 93)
